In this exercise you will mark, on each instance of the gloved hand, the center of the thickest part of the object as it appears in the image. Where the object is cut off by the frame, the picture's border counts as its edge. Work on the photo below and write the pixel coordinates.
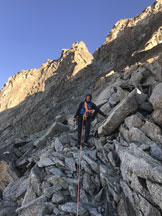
(105, 116)
(74, 119)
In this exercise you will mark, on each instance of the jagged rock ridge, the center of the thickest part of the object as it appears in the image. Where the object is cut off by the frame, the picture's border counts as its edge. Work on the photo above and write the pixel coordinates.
(26, 83)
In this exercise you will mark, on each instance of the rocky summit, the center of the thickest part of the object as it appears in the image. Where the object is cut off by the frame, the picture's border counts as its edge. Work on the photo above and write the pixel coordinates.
(121, 166)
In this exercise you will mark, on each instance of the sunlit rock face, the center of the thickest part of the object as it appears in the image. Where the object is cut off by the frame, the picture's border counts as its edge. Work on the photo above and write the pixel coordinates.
(129, 39)
(29, 82)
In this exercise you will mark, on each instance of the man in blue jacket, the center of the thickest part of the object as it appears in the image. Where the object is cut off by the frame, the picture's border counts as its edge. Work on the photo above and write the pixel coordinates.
(86, 113)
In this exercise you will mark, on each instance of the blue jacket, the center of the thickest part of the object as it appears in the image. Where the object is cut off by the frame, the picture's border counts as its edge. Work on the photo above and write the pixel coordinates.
(91, 106)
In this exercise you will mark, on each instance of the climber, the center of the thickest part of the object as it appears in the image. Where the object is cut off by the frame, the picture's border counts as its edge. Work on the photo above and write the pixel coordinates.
(87, 112)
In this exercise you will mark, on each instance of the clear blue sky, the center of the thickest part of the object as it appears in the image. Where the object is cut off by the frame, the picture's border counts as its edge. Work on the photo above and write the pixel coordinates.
(32, 31)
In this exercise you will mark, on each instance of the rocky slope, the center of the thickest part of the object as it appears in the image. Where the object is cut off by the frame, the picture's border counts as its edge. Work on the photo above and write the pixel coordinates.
(121, 172)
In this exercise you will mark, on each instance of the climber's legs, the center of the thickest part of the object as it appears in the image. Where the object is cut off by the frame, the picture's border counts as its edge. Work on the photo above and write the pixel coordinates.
(80, 119)
(87, 129)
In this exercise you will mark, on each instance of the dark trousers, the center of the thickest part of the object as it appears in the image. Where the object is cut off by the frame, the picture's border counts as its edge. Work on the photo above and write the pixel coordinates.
(87, 124)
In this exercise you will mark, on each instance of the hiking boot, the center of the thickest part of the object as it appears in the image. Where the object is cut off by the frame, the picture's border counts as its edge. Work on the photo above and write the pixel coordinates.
(78, 143)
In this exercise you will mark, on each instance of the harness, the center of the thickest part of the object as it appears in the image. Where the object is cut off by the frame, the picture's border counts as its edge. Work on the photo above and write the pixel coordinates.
(87, 111)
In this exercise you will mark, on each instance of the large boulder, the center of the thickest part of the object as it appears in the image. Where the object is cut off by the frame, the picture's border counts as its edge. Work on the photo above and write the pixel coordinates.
(34, 185)
(71, 207)
(141, 179)
(32, 208)
(155, 191)
(134, 120)
(135, 134)
(152, 131)
(138, 76)
(135, 162)
(119, 113)
(55, 129)
(7, 208)
(7, 174)
(60, 118)
(103, 97)
(140, 204)
(156, 97)
(16, 189)
(157, 117)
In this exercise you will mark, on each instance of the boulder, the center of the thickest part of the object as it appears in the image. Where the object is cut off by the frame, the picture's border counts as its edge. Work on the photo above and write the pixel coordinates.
(49, 191)
(103, 97)
(155, 191)
(15, 190)
(65, 138)
(35, 178)
(45, 161)
(94, 166)
(60, 118)
(58, 145)
(55, 180)
(58, 197)
(33, 207)
(117, 95)
(29, 196)
(71, 207)
(134, 121)
(83, 196)
(85, 166)
(106, 108)
(138, 163)
(94, 212)
(122, 208)
(54, 171)
(55, 129)
(146, 107)
(155, 68)
(7, 174)
(139, 76)
(34, 186)
(141, 98)
(138, 203)
(124, 132)
(135, 134)
(73, 191)
(152, 131)
(7, 208)
(118, 114)
(156, 97)
(157, 117)
(111, 158)
(88, 185)
(156, 151)
(70, 164)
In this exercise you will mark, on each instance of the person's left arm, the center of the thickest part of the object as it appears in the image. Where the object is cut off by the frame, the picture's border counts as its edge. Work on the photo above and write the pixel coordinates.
(97, 110)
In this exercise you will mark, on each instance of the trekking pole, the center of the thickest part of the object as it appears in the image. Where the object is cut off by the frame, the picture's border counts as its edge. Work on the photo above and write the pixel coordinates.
(79, 168)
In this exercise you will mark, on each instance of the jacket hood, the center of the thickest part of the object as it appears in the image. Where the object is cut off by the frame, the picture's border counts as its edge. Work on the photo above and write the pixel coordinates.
(88, 95)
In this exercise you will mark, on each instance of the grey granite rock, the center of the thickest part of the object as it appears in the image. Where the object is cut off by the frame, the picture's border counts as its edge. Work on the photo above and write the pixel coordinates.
(16, 189)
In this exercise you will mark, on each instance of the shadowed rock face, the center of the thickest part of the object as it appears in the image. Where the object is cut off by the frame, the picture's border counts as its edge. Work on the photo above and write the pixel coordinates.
(49, 98)
(121, 172)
